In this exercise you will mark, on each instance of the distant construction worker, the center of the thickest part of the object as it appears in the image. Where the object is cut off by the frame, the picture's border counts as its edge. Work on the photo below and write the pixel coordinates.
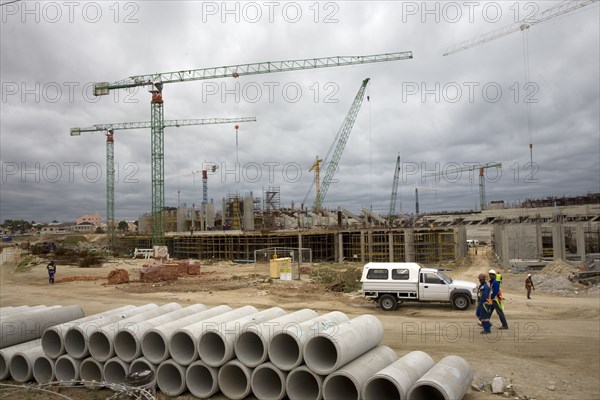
(499, 278)
(497, 299)
(529, 285)
(51, 267)
(484, 306)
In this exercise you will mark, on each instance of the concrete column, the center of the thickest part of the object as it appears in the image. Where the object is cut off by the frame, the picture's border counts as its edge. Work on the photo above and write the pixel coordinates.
(580, 238)
(538, 230)
(362, 247)
(409, 245)
(558, 241)
(370, 245)
(391, 245)
(503, 247)
(339, 249)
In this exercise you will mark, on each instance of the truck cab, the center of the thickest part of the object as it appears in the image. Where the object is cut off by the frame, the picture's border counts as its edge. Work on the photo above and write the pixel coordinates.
(393, 283)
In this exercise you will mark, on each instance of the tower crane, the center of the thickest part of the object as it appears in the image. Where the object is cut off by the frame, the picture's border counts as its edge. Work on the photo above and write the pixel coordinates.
(155, 82)
(110, 160)
(395, 189)
(338, 144)
(523, 25)
(553, 12)
(317, 182)
(481, 168)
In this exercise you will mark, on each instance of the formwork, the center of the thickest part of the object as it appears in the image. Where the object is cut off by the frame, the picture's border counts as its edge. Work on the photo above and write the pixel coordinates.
(427, 246)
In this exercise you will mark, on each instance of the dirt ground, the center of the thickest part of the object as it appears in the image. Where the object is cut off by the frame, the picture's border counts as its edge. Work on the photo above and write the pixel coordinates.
(551, 351)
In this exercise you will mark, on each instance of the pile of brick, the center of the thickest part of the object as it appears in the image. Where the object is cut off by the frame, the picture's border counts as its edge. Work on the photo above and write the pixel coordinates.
(168, 271)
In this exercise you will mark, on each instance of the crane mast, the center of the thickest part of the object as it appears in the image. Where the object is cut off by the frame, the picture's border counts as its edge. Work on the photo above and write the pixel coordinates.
(110, 156)
(156, 82)
(395, 189)
(342, 136)
(317, 168)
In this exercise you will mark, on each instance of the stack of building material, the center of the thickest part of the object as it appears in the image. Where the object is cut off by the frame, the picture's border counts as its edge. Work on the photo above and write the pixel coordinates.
(270, 353)
(168, 271)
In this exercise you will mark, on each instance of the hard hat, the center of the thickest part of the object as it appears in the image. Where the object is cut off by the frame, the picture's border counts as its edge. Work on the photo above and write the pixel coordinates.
(492, 271)
(481, 277)
(528, 275)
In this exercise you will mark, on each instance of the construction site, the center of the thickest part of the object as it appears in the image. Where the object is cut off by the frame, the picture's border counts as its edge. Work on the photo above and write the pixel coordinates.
(248, 295)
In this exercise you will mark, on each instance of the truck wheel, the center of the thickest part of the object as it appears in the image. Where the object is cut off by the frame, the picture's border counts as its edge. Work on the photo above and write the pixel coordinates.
(387, 302)
(461, 302)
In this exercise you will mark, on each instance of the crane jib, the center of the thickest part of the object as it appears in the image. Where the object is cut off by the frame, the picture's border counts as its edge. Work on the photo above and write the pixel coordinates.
(103, 88)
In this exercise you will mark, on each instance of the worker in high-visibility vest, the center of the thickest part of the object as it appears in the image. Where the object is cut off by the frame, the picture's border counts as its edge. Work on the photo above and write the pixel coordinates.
(496, 298)
(484, 307)
(51, 267)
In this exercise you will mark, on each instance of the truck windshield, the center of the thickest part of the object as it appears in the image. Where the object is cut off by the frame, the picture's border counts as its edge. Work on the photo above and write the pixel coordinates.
(445, 277)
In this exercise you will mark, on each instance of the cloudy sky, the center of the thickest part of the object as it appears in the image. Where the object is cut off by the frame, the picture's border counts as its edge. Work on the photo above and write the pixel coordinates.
(436, 112)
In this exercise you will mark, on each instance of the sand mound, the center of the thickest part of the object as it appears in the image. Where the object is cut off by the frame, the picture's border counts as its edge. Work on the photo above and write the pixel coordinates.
(559, 268)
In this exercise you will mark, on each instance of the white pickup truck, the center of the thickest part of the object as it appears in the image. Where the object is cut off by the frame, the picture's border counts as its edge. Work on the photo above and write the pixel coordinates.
(393, 283)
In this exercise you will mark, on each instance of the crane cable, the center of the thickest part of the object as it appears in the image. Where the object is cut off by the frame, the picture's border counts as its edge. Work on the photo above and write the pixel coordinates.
(370, 154)
(527, 102)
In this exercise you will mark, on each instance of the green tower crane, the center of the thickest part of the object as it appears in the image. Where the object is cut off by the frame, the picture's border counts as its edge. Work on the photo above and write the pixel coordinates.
(395, 190)
(481, 168)
(110, 158)
(156, 82)
(340, 144)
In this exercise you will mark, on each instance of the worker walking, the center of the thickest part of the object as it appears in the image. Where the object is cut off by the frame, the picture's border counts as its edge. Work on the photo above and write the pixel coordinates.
(529, 285)
(51, 271)
(484, 306)
(497, 299)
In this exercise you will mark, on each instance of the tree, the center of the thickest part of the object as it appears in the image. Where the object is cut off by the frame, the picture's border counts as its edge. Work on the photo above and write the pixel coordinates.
(99, 230)
(122, 226)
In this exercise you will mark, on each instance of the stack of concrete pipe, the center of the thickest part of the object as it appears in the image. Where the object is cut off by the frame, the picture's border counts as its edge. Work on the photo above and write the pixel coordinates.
(270, 353)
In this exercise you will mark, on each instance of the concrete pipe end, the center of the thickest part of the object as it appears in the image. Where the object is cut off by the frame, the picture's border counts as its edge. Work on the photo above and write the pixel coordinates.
(202, 380)
(170, 378)
(251, 348)
(155, 347)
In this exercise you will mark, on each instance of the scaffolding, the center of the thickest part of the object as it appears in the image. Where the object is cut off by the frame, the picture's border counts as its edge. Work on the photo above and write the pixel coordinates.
(427, 246)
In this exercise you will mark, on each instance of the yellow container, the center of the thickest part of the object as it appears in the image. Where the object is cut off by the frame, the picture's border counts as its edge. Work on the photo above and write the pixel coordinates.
(279, 266)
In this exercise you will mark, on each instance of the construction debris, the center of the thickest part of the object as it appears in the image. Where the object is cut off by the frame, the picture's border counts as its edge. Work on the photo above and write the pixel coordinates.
(117, 276)
(168, 271)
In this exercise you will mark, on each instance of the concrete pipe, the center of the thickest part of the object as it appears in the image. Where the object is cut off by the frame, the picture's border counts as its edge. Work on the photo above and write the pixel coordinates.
(7, 353)
(66, 369)
(394, 381)
(53, 338)
(234, 380)
(21, 363)
(127, 342)
(251, 347)
(268, 382)
(77, 338)
(346, 382)
(6, 311)
(140, 365)
(19, 328)
(170, 378)
(447, 380)
(156, 341)
(304, 384)
(184, 342)
(115, 370)
(202, 380)
(43, 369)
(340, 344)
(216, 345)
(286, 347)
(102, 341)
(91, 371)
